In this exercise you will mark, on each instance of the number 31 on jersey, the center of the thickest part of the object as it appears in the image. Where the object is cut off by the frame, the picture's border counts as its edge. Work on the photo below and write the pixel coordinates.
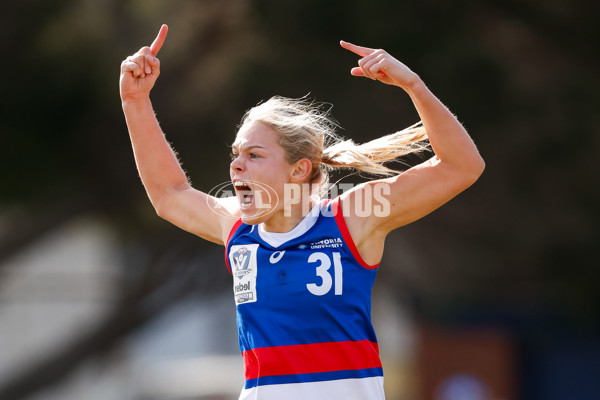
(322, 271)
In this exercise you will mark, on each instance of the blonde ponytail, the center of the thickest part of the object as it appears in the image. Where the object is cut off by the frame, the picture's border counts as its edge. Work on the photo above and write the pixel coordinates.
(307, 131)
(369, 157)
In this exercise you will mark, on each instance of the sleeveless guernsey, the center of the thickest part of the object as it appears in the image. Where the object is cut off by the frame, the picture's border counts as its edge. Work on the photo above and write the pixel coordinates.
(303, 310)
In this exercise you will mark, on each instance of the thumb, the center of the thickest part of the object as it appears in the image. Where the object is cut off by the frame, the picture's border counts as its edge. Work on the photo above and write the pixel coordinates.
(356, 71)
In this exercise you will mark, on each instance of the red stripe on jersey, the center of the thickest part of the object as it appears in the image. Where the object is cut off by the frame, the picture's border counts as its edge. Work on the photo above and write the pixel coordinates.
(336, 207)
(235, 228)
(310, 358)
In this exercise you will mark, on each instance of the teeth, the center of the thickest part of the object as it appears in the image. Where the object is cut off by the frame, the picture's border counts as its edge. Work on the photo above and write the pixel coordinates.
(245, 193)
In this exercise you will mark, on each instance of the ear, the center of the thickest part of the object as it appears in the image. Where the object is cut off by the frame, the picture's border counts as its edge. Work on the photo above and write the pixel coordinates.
(300, 170)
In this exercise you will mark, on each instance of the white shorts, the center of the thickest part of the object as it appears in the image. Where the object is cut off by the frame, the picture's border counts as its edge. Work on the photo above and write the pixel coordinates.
(341, 389)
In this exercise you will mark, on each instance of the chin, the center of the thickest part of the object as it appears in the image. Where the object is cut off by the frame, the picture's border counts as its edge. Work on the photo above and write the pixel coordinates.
(252, 220)
(255, 217)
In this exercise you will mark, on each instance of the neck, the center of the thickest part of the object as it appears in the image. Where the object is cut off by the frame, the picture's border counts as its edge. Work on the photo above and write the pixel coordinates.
(287, 218)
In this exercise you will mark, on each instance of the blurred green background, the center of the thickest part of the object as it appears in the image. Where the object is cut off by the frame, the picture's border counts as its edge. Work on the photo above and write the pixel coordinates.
(515, 254)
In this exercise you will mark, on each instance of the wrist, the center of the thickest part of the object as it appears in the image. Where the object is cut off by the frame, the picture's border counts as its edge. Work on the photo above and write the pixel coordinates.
(140, 101)
(414, 85)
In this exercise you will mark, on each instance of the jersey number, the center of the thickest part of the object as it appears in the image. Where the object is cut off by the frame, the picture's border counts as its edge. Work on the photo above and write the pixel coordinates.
(325, 275)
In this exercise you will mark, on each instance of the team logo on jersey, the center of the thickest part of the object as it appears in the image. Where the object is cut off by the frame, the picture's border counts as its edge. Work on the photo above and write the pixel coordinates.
(242, 259)
(275, 257)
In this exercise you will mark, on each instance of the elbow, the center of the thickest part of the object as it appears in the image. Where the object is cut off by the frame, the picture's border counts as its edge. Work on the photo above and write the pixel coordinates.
(479, 165)
(475, 170)
(465, 172)
(161, 211)
(167, 201)
(161, 206)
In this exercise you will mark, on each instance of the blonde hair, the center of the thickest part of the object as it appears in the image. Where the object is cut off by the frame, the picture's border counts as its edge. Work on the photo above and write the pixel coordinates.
(308, 131)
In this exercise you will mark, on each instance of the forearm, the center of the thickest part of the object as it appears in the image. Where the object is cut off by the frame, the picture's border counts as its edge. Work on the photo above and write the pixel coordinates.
(449, 140)
(157, 163)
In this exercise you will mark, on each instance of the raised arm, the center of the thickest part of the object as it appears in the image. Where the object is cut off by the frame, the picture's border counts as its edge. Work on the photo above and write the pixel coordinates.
(425, 187)
(166, 183)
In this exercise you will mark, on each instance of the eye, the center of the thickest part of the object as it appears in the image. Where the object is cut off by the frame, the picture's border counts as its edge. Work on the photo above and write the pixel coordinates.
(233, 156)
(252, 155)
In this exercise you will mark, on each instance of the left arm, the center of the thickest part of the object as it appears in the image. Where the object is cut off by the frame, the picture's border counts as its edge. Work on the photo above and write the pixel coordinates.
(418, 191)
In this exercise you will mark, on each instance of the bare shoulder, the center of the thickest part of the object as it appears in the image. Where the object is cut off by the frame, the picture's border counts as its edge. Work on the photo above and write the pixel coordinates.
(361, 216)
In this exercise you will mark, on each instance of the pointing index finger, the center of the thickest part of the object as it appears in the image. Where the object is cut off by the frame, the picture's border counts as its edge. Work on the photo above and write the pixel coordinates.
(160, 39)
(359, 50)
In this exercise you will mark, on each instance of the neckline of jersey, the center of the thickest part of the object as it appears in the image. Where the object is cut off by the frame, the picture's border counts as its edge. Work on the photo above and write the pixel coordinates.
(276, 239)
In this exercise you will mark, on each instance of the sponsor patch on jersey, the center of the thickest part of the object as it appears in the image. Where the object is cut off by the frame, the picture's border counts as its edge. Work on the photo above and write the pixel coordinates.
(242, 259)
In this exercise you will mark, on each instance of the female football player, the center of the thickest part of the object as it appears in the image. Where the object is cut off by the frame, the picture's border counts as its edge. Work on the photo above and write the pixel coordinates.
(303, 266)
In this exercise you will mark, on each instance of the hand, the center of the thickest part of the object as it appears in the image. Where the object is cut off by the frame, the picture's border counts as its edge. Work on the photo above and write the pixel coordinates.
(379, 65)
(140, 71)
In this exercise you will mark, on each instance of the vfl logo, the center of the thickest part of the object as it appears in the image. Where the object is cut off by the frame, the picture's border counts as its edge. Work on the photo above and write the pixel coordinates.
(241, 260)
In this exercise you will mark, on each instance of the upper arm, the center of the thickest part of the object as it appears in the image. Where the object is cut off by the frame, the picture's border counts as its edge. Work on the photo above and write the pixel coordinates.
(194, 211)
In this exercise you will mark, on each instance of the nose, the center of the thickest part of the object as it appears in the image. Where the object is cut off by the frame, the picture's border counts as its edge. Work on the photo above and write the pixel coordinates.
(237, 165)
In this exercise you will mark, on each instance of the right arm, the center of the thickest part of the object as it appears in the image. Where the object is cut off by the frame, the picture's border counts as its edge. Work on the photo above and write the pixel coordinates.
(173, 198)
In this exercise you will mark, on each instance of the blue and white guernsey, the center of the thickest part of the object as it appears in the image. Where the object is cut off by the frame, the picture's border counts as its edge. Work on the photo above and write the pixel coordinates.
(303, 301)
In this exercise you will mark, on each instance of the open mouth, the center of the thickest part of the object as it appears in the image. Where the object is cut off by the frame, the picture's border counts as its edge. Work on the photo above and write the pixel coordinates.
(244, 194)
